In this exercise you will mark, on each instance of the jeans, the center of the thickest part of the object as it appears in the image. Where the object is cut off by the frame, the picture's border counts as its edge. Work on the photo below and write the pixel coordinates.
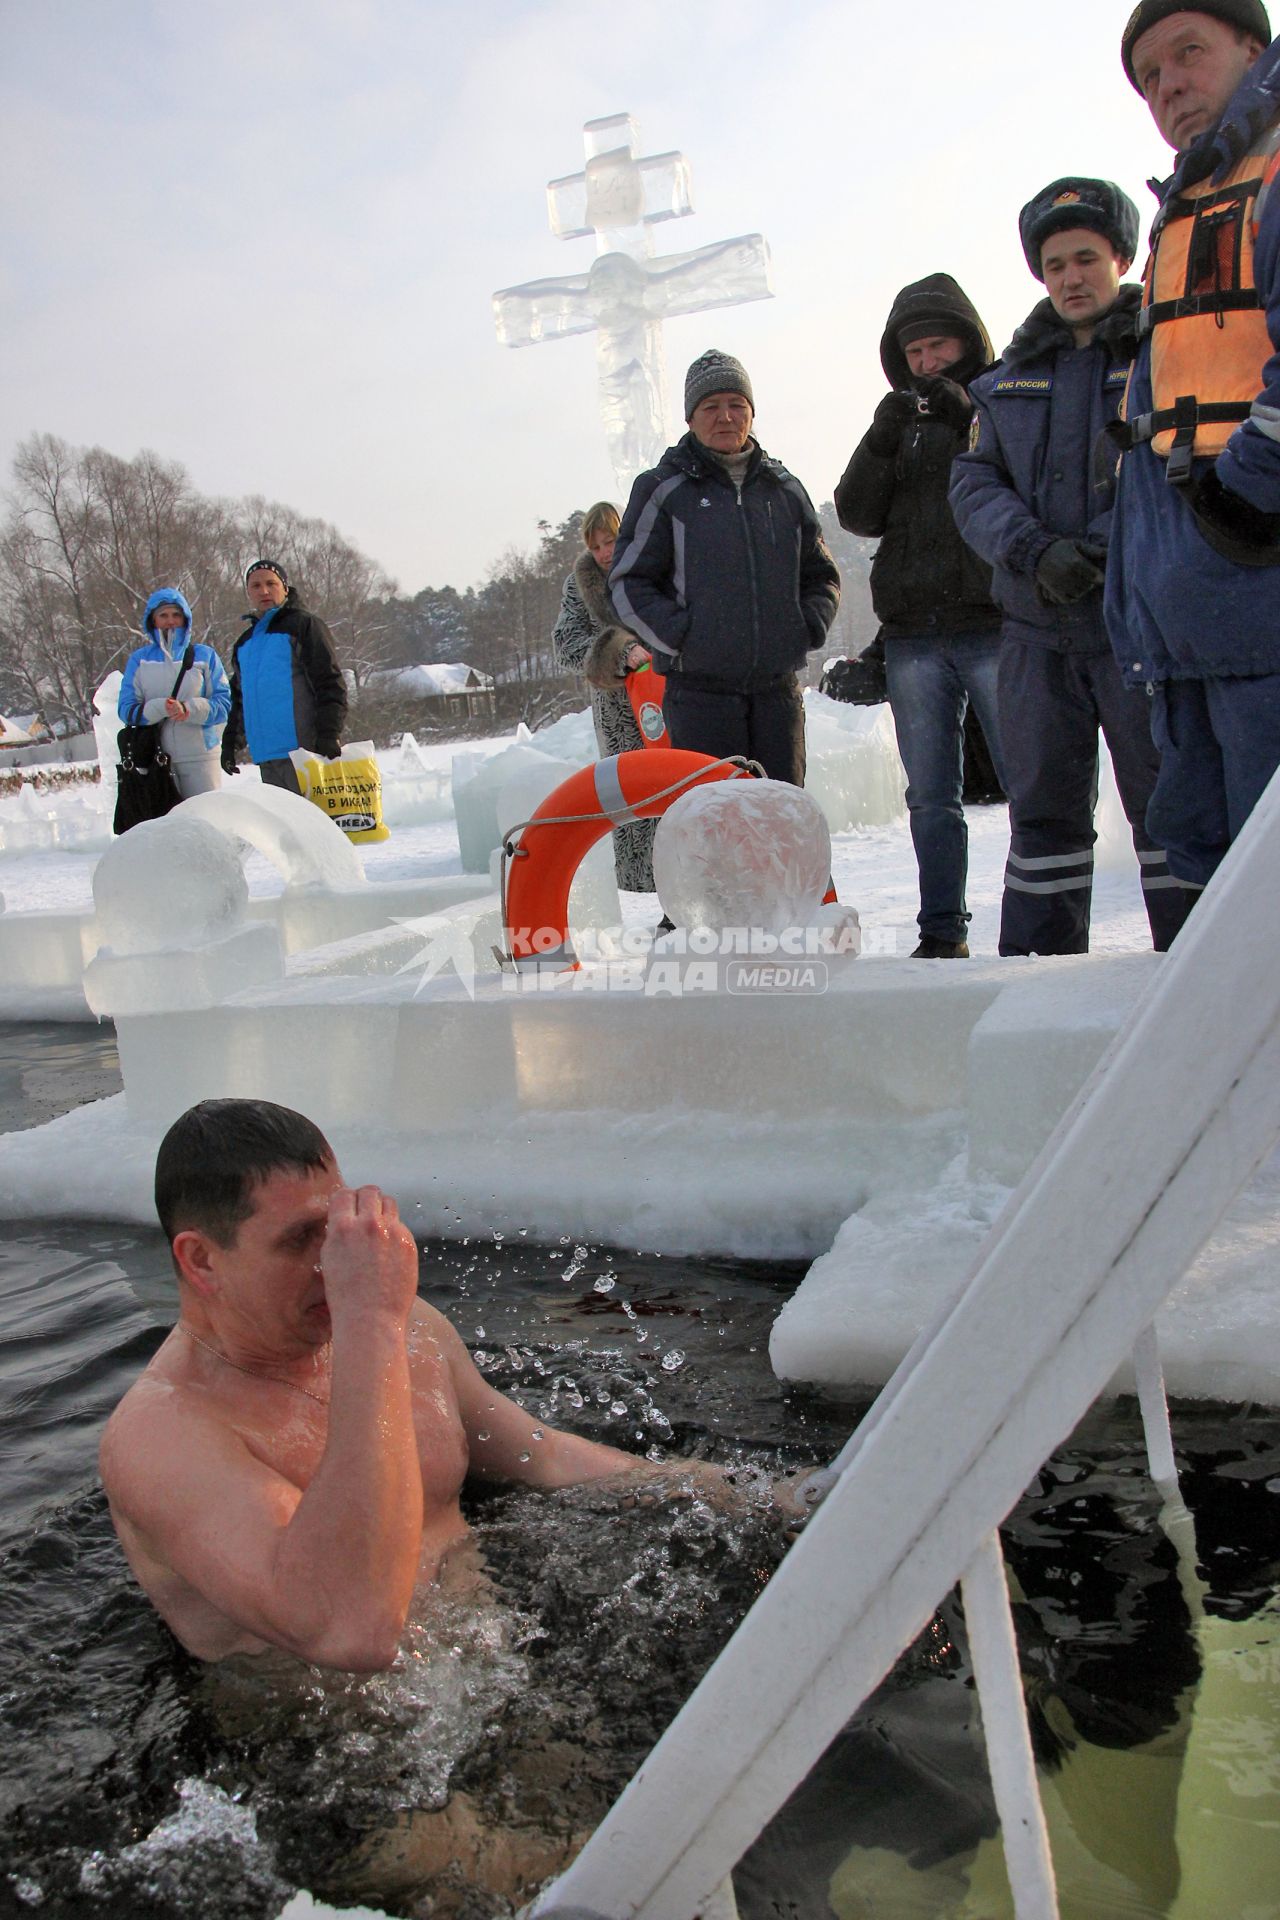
(931, 682)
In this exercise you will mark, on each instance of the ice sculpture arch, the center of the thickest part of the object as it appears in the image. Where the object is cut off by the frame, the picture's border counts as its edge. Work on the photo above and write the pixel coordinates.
(300, 842)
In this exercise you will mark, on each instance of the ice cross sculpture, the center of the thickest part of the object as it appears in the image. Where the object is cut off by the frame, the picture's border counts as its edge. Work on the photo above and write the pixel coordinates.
(627, 293)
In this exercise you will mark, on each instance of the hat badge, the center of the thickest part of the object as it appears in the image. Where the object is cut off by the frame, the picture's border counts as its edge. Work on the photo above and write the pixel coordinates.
(1065, 199)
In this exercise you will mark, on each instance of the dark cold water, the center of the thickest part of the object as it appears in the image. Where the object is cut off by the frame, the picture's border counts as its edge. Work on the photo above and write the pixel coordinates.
(133, 1782)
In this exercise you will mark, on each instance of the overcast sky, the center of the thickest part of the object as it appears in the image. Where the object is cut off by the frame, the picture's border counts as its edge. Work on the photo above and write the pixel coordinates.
(260, 236)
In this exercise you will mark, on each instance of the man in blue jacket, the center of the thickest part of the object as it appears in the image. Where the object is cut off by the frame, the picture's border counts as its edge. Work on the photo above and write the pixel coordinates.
(287, 689)
(721, 570)
(1026, 498)
(1193, 599)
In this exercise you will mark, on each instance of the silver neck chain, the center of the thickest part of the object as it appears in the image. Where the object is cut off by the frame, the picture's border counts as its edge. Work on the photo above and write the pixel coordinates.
(255, 1373)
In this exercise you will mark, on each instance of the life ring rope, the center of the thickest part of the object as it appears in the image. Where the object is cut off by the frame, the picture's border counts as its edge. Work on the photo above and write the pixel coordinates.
(614, 808)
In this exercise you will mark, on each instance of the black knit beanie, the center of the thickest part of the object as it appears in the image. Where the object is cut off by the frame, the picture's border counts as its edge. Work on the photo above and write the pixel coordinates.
(1072, 202)
(715, 372)
(1249, 15)
(270, 566)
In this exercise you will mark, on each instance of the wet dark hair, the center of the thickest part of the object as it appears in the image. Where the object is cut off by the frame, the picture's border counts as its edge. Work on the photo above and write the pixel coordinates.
(215, 1155)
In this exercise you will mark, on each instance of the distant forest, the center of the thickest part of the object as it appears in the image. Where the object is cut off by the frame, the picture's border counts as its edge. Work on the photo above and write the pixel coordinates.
(86, 536)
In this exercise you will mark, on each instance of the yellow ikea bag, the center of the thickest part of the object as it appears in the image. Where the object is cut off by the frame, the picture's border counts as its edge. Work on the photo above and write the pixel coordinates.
(348, 789)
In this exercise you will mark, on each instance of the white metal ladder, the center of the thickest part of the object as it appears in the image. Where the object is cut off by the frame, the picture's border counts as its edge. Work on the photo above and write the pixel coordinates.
(1176, 1118)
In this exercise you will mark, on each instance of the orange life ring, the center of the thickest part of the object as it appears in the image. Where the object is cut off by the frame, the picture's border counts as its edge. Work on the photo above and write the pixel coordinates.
(582, 809)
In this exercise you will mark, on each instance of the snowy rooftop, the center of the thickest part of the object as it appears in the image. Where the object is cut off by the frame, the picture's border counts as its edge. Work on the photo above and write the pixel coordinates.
(426, 682)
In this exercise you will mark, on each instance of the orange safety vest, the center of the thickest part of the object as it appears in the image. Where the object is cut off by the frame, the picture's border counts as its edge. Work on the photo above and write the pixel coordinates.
(1205, 316)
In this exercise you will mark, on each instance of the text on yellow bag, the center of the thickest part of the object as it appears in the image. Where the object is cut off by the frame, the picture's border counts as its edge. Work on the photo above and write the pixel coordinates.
(348, 789)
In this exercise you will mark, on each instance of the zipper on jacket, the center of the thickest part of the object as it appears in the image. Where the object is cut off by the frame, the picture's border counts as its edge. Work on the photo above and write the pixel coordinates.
(755, 597)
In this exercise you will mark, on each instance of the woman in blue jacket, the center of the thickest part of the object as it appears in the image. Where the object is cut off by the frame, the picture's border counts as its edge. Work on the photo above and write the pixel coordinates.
(190, 716)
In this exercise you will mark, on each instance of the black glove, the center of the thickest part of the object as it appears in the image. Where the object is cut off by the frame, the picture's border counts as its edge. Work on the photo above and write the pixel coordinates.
(887, 422)
(229, 759)
(1068, 571)
(946, 400)
(328, 748)
(1232, 525)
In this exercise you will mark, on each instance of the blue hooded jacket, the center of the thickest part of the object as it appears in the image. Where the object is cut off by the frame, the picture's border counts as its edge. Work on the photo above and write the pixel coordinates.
(1177, 609)
(205, 682)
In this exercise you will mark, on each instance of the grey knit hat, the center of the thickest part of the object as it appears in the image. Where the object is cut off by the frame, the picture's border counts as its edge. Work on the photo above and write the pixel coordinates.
(715, 372)
(1249, 15)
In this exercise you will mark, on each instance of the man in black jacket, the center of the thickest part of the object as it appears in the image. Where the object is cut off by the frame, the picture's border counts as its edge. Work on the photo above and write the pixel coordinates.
(287, 688)
(939, 625)
(721, 570)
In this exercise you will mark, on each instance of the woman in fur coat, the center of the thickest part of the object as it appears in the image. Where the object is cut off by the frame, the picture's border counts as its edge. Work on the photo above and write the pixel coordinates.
(589, 641)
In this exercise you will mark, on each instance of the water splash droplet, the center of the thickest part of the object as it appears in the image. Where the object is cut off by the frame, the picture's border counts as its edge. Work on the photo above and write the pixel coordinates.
(524, 1458)
(606, 1283)
(672, 1360)
(482, 1435)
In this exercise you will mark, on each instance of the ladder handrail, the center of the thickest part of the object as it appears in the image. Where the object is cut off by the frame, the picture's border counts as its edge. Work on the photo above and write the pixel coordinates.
(1178, 1115)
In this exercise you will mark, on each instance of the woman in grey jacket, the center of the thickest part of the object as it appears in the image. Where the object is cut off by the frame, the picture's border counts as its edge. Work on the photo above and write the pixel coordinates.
(589, 641)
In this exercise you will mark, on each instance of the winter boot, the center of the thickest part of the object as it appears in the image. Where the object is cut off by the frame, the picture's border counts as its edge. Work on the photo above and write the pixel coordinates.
(931, 949)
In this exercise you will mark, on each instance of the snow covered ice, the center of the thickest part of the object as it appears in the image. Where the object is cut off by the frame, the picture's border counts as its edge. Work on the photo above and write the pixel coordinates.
(875, 1128)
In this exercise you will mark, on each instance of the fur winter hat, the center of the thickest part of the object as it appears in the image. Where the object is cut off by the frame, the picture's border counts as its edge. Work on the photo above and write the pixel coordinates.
(1249, 15)
(1096, 204)
(715, 372)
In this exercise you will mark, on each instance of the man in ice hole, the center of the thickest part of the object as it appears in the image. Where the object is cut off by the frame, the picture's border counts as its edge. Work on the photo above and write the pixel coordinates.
(286, 1470)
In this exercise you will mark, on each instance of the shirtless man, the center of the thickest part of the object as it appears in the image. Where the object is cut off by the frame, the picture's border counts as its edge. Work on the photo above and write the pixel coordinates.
(286, 1470)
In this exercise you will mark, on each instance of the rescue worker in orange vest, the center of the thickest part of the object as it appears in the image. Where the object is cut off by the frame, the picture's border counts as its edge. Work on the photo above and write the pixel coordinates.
(1193, 583)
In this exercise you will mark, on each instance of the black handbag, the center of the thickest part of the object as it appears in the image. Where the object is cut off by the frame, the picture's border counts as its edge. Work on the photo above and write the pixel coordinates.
(145, 786)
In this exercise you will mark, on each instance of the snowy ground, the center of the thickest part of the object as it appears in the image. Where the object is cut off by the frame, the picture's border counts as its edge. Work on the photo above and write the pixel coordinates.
(874, 869)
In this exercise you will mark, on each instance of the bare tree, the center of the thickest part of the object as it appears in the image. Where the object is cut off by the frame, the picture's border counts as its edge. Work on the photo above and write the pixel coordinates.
(89, 537)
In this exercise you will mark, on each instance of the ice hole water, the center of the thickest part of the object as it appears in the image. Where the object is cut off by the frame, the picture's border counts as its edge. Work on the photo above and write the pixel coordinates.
(135, 1781)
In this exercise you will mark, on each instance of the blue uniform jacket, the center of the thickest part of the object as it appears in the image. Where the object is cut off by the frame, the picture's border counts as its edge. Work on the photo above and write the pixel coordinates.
(731, 588)
(1034, 472)
(213, 688)
(1176, 609)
